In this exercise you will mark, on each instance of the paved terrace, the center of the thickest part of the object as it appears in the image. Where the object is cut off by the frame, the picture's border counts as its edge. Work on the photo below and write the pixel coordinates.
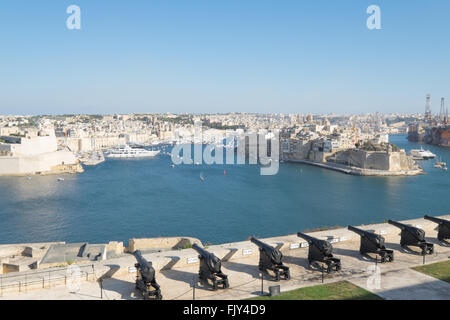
(177, 270)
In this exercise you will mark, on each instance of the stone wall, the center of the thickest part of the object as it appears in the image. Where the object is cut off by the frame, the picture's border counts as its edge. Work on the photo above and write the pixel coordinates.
(161, 243)
(376, 160)
(23, 165)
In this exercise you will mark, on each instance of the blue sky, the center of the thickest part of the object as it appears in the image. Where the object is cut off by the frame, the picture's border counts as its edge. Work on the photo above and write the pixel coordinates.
(200, 56)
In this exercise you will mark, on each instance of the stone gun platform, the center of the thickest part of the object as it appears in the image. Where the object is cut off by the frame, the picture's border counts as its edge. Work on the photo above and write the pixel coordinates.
(178, 270)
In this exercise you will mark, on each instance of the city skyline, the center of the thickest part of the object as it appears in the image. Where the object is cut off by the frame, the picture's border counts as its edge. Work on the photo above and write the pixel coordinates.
(252, 57)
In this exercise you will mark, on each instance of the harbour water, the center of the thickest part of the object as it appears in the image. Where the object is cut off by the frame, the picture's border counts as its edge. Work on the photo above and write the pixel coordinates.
(121, 199)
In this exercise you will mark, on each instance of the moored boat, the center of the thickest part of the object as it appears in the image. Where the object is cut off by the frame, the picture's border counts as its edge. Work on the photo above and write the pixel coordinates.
(131, 152)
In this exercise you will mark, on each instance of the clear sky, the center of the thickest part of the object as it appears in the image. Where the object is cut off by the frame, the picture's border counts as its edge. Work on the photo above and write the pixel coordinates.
(200, 56)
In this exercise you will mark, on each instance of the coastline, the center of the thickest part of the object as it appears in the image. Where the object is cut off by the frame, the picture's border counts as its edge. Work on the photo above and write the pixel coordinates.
(60, 169)
(359, 171)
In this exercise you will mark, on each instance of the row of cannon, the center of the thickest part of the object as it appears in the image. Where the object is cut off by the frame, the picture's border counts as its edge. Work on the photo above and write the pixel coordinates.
(271, 258)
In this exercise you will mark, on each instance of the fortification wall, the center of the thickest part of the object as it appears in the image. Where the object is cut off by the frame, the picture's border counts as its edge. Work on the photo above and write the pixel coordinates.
(33, 164)
(35, 146)
(376, 160)
(228, 252)
(163, 242)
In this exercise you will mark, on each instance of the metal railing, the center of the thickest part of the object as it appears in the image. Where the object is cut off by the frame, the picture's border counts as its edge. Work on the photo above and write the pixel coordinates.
(44, 278)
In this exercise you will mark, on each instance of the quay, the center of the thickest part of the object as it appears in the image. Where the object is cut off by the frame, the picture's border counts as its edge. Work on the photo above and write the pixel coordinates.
(359, 171)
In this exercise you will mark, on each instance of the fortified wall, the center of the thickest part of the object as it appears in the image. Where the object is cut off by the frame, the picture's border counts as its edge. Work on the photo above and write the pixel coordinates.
(375, 160)
(35, 155)
(178, 258)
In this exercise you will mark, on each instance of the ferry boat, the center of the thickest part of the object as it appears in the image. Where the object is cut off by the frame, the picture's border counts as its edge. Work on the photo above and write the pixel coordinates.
(422, 154)
(131, 152)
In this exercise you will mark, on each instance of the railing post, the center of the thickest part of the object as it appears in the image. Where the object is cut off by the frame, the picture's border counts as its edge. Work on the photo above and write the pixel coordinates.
(322, 273)
(193, 290)
(262, 283)
(101, 288)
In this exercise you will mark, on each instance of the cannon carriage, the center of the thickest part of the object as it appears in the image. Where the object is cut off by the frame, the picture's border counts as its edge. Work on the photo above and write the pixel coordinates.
(271, 258)
(210, 269)
(443, 227)
(145, 280)
(373, 243)
(412, 236)
(321, 251)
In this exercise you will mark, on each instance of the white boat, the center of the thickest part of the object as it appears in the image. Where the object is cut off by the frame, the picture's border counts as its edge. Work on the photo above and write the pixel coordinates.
(440, 164)
(131, 152)
(422, 154)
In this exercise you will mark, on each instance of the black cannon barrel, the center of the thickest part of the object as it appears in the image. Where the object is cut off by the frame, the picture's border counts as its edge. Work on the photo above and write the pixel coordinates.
(398, 224)
(437, 220)
(270, 258)
(200, 250)
(306, 237)
(261, 244)
(362, 233)
(357, 230)
(138, 255)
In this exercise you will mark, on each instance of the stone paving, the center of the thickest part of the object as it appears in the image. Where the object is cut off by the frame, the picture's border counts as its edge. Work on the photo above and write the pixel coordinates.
(396, 280)
(407, 284)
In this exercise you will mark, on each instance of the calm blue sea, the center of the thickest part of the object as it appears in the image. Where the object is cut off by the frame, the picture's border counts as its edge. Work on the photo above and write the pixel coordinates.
(121, 199)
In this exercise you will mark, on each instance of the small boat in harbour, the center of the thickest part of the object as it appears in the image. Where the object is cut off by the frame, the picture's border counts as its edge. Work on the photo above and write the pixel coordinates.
(440, 164)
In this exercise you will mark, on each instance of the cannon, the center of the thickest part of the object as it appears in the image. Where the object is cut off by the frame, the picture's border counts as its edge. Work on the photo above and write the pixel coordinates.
(321, 251)
(210, 268)
(270, 258)
(412, 236)
(443, 227)
(373, 243)
(145, 278)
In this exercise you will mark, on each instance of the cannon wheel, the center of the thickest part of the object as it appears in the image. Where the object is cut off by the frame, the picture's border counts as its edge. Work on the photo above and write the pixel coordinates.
(329, 269)
(277, 275)
(287, 275)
